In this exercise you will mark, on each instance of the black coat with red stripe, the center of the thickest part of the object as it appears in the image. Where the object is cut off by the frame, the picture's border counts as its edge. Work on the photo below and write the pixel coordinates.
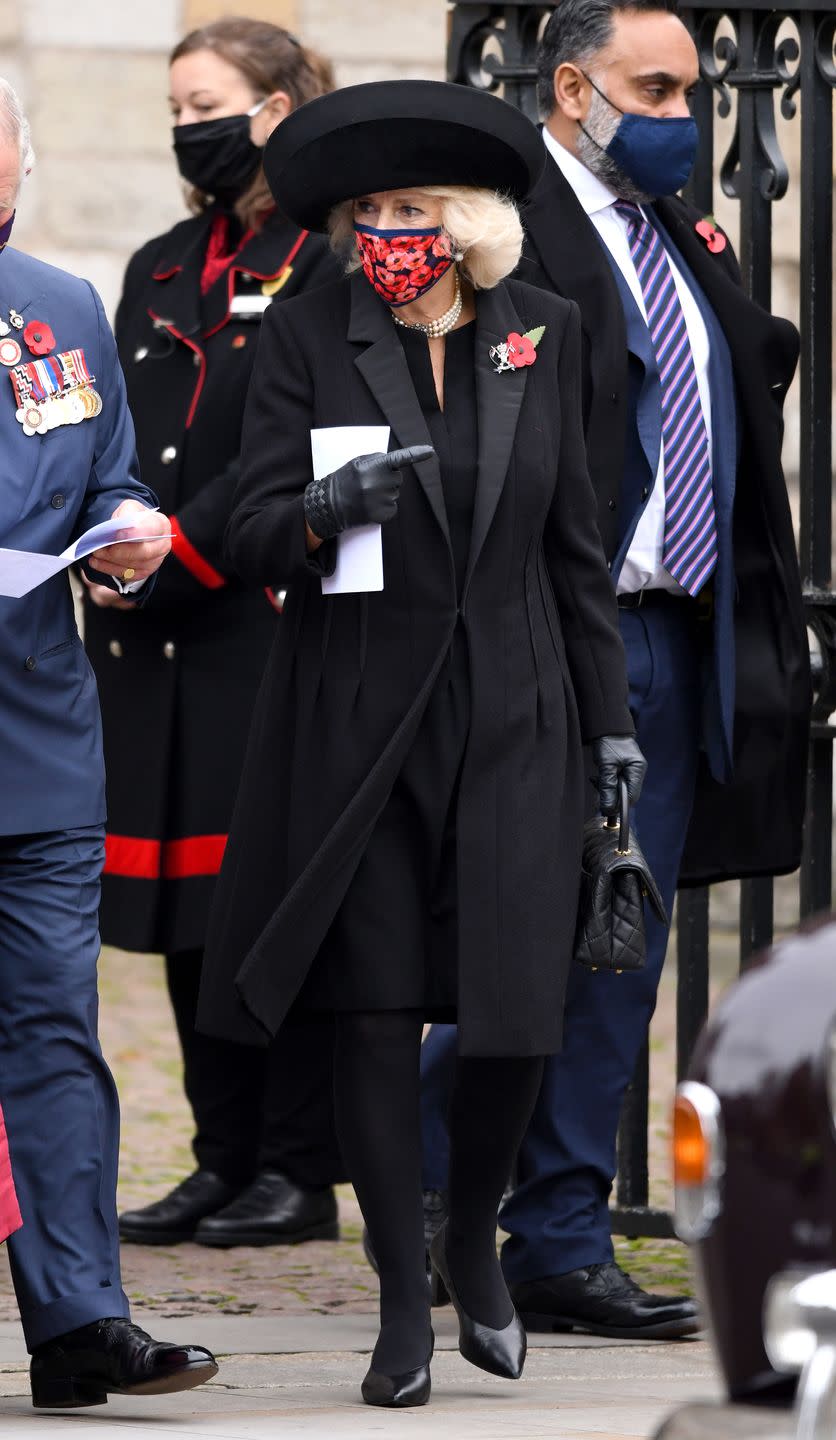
(178, 678)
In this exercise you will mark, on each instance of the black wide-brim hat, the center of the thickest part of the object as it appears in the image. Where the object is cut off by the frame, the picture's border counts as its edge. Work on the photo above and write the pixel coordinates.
(398, 134)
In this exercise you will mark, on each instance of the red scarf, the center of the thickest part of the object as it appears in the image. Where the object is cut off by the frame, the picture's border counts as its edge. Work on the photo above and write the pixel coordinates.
(218, 256)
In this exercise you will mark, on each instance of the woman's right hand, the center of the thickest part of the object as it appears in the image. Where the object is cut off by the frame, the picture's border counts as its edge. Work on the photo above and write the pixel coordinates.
(364, 491)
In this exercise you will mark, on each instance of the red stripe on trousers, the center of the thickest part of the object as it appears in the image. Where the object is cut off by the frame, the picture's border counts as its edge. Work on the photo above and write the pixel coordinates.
(135, 859)
(9, 1213)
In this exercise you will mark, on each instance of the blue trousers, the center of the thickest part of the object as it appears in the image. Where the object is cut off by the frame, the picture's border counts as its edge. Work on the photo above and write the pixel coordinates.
(57, 1094)
(558, 1217)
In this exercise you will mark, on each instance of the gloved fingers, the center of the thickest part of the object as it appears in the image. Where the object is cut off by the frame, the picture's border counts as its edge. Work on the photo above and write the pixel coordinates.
(634, 773)
(412, 455)
(608, 790)
(382, 503)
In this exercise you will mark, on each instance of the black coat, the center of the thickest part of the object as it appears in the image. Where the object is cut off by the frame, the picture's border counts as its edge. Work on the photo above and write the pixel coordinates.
(752, 825)
(178, 678)
(349, 676)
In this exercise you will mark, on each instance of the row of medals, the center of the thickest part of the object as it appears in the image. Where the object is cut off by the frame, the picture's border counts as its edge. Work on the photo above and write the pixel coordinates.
(69, 408)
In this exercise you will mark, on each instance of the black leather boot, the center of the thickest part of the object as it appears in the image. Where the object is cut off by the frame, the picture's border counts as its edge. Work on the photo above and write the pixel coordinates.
(603, 1300)
(175, 1218)
(272, 1211)
(113, 1357)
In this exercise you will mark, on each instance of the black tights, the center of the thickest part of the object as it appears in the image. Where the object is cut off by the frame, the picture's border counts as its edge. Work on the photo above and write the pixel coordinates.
(377, 1081)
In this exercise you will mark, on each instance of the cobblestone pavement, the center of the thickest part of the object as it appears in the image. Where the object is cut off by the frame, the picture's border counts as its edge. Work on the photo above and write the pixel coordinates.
(323, 1278)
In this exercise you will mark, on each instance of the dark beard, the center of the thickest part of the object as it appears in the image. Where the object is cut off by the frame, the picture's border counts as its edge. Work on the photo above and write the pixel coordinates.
(601, 125)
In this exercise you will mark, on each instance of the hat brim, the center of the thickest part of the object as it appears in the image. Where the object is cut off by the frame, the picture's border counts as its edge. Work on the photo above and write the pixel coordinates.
(395, 134)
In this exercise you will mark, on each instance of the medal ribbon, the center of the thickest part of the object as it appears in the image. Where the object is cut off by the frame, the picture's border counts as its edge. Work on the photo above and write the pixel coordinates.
(74, 367)
(22, 384)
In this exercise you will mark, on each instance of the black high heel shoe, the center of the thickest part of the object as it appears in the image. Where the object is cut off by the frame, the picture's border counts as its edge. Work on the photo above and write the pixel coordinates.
(398, 1391)
(500, 1352)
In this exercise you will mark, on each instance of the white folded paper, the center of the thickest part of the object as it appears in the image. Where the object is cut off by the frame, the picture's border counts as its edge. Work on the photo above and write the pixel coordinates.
(24, 570)
(360, 551)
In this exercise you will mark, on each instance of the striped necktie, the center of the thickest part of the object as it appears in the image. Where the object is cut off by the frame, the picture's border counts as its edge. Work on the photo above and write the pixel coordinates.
(690, 540)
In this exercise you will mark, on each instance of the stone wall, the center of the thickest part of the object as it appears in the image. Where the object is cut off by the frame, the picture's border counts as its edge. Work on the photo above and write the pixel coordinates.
(92, 75)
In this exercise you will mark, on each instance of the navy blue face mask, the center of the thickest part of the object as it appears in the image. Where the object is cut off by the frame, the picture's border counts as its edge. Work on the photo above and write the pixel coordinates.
(6, 231)
(657, 155)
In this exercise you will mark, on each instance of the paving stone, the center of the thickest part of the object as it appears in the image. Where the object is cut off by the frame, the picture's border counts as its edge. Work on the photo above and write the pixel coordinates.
(605, 1392)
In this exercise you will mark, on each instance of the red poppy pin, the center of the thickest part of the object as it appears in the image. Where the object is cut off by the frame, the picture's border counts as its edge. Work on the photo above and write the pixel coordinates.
(714, 238)
(518, 350)
(39, 338)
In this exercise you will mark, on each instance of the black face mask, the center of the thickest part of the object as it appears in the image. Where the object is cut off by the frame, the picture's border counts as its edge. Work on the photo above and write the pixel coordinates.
(218, 156)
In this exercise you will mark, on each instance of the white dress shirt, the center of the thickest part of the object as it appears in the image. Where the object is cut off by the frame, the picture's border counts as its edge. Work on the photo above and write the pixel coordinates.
(642, 566)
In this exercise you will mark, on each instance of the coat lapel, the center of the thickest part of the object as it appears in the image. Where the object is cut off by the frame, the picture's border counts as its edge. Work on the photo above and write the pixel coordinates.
(265, 259)
(383, 366)
(572, 254)
(176, 293)
(498, 401)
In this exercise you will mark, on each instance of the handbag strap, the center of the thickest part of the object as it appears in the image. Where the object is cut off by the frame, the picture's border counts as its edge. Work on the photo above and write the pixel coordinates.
(622, 820)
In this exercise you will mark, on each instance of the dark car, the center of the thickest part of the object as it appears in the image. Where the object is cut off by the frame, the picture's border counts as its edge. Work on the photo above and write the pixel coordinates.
(755, 1173)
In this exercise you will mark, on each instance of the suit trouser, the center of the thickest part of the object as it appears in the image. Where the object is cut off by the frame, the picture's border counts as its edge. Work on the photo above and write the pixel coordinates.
(558, 1217)
(258, 1109)
(58, 1095)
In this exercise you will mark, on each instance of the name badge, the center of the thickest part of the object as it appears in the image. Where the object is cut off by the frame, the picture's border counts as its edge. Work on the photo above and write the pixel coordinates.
(249, 307)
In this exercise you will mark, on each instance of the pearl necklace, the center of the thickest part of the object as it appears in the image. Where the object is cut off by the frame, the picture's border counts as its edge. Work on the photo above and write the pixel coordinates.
(434, 329)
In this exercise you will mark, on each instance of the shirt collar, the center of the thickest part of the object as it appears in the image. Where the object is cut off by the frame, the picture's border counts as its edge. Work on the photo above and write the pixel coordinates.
(593, 195)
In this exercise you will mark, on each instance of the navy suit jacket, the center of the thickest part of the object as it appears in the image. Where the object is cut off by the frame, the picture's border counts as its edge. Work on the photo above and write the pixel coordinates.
(641, 463)
(53, 487)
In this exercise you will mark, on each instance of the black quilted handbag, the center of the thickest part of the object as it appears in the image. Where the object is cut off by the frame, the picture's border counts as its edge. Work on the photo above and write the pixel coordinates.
(615, 882)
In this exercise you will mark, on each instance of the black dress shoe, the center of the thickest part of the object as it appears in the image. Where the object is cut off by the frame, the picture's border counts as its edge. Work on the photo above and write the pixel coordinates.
(500, 1352)
(603, 1300)
(397, 1391)
(272, 1211)
(113, 1357)
(175, 1218)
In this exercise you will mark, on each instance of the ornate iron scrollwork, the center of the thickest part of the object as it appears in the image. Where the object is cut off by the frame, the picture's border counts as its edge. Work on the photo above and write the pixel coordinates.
(825, 46)
(717, 55)
(494, 47)
(754, 64)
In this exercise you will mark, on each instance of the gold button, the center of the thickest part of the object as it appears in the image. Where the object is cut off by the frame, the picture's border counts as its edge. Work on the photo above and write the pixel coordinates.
(169, 454)
(141, 354)
(115, 648)
(169, 650)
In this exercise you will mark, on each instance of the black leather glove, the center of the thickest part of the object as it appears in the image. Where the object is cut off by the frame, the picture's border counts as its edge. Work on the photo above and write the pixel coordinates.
(617, 757)
(365, 491)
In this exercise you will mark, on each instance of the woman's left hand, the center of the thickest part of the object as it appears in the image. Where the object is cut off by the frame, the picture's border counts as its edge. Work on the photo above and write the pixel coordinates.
(618, 757)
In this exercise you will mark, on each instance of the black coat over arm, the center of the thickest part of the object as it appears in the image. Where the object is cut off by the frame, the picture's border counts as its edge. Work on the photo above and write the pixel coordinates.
(752, 825)
(350, 675)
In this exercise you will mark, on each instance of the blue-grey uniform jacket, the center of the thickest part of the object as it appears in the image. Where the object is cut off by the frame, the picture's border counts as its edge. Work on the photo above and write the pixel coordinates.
(53, 487)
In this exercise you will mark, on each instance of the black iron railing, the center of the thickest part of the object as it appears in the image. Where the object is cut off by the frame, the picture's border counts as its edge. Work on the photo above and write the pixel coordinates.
(760, 64)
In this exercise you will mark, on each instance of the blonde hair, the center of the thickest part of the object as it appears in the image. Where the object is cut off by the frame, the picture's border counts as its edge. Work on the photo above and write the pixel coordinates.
(484, 227)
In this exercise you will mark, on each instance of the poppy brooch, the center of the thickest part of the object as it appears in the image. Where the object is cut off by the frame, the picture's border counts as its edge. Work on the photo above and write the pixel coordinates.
(39, 338)
(707, 230)
(518, 350)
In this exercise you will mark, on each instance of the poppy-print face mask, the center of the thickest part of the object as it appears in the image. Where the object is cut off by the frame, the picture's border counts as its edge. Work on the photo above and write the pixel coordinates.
(403, 264)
